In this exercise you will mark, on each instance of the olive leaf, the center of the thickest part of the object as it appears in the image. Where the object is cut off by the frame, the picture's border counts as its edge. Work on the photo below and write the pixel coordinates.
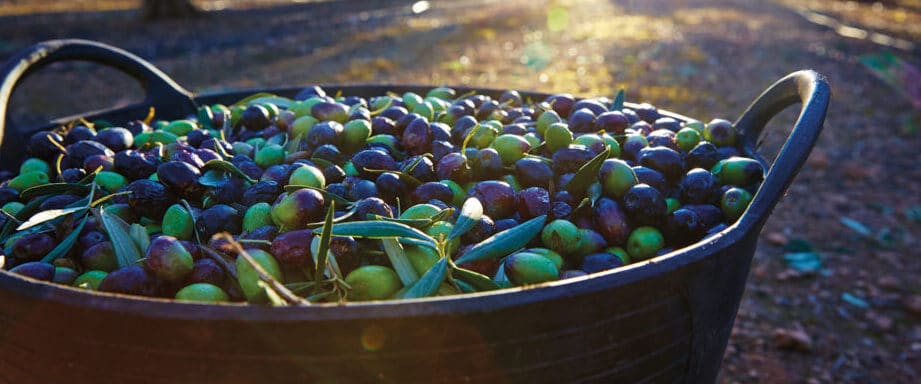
(54, 189)
(65, 245)
(140, 236)
(464, 287)
(470, 213)
(341, 218)
(415, 223)
(213, 178)
(48, 215)
(618, 103)
(479, 282)
(469, 137)
(326, 194)
(505, 242)
(325, 239)
(587, 174)
(501, 279)
(21, 216)
(399, 261)
(227, 167)
(126, 250)
(374, 229)
(429, 283)
(247, 100)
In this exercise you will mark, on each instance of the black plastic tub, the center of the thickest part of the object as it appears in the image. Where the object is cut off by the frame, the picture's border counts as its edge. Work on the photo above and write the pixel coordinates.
(664, 320)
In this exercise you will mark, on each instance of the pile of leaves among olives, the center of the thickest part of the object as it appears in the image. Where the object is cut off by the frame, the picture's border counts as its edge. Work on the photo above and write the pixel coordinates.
(319, 198)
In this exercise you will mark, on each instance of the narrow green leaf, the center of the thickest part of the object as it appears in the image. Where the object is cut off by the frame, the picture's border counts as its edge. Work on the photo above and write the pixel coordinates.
(339, 219)
(140, 237)
(379, 230)
(228, 167)
(48, 215)
(325, 238)
(417, 242)
(505, 242)
(464, 287)
(281, 102)
(126, 250)
(108, 197)
(400, 262)
(54, 189)
(65, 245)
(429, 283)
(255, 96)
(470, 213)
(23, 214)
(326, 195)
(856, 226)
(469, 137)
(618, 103)
(587, 174)
(478, 281)
(213, 178)
(415, 223)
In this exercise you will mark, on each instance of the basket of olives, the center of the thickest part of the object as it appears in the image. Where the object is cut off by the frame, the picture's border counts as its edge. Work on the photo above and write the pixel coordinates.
(378, 233)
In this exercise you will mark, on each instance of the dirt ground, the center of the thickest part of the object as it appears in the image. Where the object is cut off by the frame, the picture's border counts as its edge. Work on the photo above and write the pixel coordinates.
(855, 207)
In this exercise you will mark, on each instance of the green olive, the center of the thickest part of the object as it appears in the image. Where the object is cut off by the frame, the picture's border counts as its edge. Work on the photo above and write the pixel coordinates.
(616, 177)
(89, 280)
(734, 203)
(546, 119)
(177, 222)
(28, 180)
(511, 148)
(530, 268)
(307, 175)
(561, 236)
(269, 155)
(644, 242)
(34, 164)
(203, 292)
(557, 136)
(249, 279)
(111, 181)
(180, 127)
(372, 282)
(257, 215)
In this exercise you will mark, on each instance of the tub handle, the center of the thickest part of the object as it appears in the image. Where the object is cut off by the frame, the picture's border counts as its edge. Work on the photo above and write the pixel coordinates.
(812, 90)
(161, 92)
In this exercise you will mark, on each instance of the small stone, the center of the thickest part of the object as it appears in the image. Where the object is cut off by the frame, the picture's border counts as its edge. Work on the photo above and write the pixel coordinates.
(913, 304)
(889, 282)
(776, 238)
(792, 339)
(882, 322)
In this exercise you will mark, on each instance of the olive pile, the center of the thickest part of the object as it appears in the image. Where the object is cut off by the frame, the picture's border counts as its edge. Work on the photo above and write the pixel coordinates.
(322, 198)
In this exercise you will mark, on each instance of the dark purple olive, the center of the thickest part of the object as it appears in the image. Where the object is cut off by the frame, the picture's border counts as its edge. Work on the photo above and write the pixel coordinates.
(372, 205)
(333, 173)
(641, 128)
(181, 178)
(373, 159)
(265, 191)
(489, 165)
(533, 202)
(504, 224)
(710, 215)
(647, 112)
(683, 227)
(593, 105)
(486, 109)
(561, 103)
(310, 91)
(610, 221)
(431, 191)
(632, 145)
(168, 259)
(219, 218)
(559, 210)
(667, 123)
(440, 149)
(665, 160)
(196, 136)
(58, 202)
(582, 120)
(298, 208)
(101, 162)
(206, 271)
(598, 262)
(131, 280)
(78, 152)
(330, 153)
(33, 246)
(90, 238)
(36, 270)
(453, 166)
(207, 155)
(255, 118)
(498, 198)
(327, 132)
(533, 172)
(514, 129)
(189, 157)
(381, 125)
(138, 126)
(264, 233)
(704, 155)
(569, 160)
(417, 137)
(79, 133)
(42, 145)
(422, 168)
(292, 248)
(116, 138)
(404, 121)
(73, 175)
(394, 113)
(645, 205)
(347, 253)
(510, 98)
(7, 195)
(612, 122)
(662, 138)
(135, 165)
(149, 198)
(279, 173)
(391, 188)
(363, 189)
(483, 229)
(698, 186)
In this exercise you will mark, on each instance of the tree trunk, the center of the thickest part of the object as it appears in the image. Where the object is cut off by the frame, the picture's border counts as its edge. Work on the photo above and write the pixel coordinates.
(168, 9)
